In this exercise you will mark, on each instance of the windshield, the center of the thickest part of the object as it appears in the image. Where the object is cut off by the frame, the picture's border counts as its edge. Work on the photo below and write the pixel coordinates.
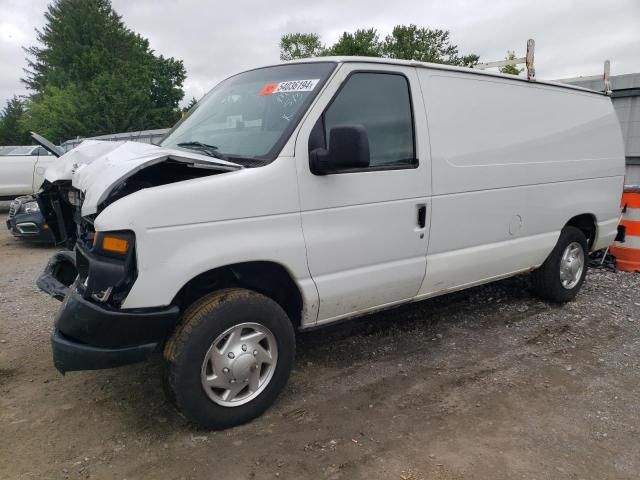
(248, 117)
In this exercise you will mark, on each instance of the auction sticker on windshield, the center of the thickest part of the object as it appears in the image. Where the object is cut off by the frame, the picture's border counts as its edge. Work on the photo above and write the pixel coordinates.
(289, 86)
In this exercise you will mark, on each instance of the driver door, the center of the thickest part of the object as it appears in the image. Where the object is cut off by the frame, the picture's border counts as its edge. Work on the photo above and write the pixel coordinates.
(366, 230)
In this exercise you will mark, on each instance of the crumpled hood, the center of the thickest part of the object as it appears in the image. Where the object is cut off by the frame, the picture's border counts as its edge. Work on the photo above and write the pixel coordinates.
(96, 167)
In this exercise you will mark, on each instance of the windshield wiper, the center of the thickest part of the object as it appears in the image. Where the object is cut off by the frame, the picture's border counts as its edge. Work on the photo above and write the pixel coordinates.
(210, 150)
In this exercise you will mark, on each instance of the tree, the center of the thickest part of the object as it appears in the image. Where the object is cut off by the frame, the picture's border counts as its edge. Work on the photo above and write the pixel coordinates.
(190, 105)
(90, 66)
(510, 69)
(12, 131)
(300, 45)
(58, 113)
(363, 43)
(409, 42)
(406, 42)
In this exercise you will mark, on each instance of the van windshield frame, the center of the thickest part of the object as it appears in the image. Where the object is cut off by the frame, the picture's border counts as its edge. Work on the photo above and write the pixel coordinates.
(257, 111)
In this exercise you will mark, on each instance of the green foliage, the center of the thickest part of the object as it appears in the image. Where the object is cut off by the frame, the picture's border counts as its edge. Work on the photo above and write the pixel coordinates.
(12, 131)
(409, 42)
(364, 43)
(510, 69)
(300, 45)
(91, 75)
(406, 42)
(58, 112)
(190, 105)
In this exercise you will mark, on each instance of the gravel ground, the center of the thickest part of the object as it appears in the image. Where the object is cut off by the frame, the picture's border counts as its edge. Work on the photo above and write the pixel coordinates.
(489, 383)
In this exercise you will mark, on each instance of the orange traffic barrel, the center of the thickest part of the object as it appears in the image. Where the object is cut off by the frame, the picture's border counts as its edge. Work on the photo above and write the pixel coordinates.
(627, 252)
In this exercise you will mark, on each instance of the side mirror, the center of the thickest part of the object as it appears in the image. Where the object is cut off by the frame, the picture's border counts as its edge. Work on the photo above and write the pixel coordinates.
(348, 150)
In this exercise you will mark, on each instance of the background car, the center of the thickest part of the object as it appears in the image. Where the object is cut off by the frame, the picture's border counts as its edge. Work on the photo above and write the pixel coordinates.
(22, 170)
(26, 222)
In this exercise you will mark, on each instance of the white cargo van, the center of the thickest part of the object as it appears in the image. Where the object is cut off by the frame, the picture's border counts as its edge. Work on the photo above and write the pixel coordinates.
(296, 195)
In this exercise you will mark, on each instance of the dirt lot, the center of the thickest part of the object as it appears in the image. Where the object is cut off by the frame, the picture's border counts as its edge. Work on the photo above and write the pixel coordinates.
(488, 384)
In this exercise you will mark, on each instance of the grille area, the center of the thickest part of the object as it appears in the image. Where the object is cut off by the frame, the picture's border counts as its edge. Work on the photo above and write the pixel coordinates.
(14, 208)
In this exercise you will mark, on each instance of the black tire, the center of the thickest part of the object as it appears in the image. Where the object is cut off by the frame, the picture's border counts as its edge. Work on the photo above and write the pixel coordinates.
(546, 279)
(200, 325)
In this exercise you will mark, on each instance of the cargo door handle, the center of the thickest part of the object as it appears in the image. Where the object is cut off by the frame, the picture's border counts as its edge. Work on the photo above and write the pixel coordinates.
(422, 216)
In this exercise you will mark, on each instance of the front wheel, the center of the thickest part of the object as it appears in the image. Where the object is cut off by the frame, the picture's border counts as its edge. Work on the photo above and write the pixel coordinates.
(229, 358)
(562, 274)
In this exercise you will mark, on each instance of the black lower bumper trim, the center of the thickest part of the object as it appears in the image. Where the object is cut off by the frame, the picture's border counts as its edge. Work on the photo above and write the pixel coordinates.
(102, 326)
(69, 356)
(91, 335)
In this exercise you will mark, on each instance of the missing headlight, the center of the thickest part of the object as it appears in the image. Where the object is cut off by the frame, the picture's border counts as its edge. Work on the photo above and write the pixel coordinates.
(74, 198)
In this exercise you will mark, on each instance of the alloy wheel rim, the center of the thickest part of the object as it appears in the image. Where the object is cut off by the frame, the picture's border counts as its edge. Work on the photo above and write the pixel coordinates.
(571, 265)
(239, 364)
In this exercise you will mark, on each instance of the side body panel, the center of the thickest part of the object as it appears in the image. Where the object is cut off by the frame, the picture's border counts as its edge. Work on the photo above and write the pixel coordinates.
(364, 245)
(16, 174)
(44, 160)
(512, 164)
(185, 229)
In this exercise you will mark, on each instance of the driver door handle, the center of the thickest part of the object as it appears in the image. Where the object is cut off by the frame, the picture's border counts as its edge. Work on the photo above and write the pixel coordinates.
(422, 216)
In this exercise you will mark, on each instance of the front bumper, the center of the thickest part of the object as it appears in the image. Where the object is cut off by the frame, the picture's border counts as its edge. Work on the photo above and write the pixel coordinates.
(90, 335)
(31, 227)
(69, 356)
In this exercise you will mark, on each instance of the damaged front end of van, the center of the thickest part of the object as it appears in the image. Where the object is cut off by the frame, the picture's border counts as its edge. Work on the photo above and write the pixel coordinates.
(96, 272)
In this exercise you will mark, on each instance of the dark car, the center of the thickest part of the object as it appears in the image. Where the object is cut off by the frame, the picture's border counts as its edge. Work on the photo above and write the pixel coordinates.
(27, 223)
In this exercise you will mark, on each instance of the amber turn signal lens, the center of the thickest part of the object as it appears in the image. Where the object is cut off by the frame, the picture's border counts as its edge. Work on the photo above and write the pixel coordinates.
(115, 244)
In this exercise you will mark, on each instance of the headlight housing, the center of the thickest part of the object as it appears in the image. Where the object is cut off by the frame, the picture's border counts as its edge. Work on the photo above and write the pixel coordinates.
(31, 207)
(106, 266)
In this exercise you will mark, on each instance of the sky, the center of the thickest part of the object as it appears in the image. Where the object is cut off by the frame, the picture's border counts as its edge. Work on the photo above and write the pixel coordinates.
(218, 38)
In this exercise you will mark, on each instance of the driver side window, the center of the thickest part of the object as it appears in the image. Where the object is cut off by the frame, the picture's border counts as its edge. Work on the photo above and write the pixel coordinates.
(381, 103)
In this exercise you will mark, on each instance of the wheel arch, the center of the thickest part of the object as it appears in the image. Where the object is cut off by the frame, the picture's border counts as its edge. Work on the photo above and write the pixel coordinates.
(269, 278)
(587, 223)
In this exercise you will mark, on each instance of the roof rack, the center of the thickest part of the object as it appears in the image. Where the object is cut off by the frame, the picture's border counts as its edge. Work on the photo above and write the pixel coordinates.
(605, 77)
(531, 71)
(527, 59)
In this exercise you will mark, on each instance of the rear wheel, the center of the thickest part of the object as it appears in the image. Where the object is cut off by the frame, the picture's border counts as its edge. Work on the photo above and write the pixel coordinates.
(562, 274)
(229, 358)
